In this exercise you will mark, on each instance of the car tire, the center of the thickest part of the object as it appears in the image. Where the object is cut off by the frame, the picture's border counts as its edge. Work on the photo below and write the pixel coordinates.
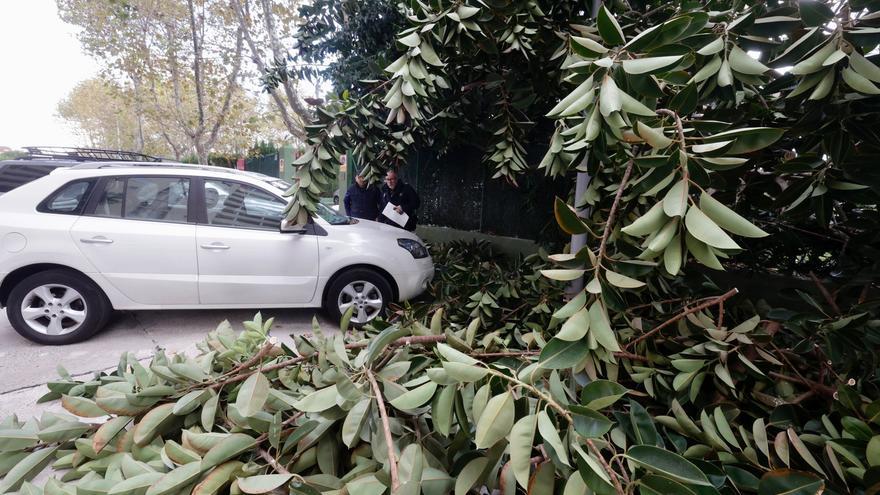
(57, 307)
(368, 291)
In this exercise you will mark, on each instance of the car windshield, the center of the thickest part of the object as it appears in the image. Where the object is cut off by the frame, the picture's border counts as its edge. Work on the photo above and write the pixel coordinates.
(331, 216)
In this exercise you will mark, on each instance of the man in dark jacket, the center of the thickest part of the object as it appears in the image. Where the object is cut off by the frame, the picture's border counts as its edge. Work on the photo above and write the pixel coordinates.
(362, 200)
(402, 196)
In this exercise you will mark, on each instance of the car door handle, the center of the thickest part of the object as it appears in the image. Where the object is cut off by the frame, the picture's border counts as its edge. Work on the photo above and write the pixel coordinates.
(97, 240)
(215, 245)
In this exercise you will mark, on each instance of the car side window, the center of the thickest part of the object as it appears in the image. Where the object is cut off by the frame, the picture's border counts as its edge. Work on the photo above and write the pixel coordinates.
(70, 199)
(233, 204)
(156, 198)
(110, 201)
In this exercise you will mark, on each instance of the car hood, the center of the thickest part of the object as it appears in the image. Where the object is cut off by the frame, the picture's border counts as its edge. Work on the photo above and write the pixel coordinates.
(369, 228)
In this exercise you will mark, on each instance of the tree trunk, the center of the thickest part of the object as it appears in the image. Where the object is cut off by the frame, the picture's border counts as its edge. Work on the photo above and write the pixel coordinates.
(139, 115)
(241, 14)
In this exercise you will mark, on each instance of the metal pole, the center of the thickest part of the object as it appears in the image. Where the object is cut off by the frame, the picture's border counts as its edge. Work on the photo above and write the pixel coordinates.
(578, 241)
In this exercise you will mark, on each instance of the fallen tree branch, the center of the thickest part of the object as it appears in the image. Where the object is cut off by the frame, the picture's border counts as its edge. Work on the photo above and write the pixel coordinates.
(824, 291)
(272, 462)
(817, 387)
(720, 299)
(386, 428)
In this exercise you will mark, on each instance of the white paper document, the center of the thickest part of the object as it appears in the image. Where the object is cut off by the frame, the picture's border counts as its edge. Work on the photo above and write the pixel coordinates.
(391, 214)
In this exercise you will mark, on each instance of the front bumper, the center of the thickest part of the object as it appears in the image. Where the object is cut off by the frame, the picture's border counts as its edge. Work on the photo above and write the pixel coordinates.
(411, 283)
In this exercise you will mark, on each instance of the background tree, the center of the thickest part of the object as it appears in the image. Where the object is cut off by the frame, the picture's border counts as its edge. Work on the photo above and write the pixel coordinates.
(182, 60)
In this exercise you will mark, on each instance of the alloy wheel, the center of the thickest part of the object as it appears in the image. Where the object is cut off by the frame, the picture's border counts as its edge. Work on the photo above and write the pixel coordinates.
(54, 309)
(364, 296)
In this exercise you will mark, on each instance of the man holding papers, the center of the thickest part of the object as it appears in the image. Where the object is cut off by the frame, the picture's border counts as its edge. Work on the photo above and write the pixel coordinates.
(398, 203)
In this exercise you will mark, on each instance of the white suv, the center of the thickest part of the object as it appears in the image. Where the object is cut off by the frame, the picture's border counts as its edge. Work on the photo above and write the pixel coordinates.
(85, 240)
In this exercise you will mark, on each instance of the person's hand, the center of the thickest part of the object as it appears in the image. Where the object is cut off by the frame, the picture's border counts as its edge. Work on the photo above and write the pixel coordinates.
(398, 209)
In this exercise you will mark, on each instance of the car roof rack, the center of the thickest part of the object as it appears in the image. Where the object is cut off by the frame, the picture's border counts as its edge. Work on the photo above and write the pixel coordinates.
(84, 154)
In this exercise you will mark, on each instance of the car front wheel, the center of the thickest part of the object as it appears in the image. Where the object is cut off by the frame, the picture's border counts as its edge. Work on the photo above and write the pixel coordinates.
(364, 291)
(57, 307)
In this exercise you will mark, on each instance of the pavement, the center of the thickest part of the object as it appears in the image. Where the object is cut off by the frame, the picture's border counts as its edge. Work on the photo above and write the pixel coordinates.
(25, 366)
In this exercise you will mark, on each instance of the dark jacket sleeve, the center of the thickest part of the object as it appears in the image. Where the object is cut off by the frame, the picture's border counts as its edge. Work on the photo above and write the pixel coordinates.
(347, 202)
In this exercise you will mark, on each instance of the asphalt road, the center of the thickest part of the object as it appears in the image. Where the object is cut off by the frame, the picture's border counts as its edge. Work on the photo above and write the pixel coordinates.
(26, 366)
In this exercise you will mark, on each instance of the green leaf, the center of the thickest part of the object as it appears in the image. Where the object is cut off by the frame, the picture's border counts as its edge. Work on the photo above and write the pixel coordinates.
(563, 275)
(672, 256)
(725, 75)
(652, 220)
(864, 67)
(108, 431)
(710, 69)
(728, 219)
(704, 229)
(609, 29)
(209, 411)
(415, 398)
(815, 13)
(152, 422)
(789, 482)
(675, 203)
(136, 485)
(650, 65)
(495, 421)
(560, 354)
(858, 82)
(82, 407)
(713, 47)
(652, 136)
(551, 436)
(354, 421)
(622, 281)
(318, 401)
(26, 469)
(813, 63)
(470, 475)
(668, 464)
(588, 423)
(575, 327)
(190, 402)
(522, 437)
(215, 480)
(454, 355)
(589, 44)
(177, 479)
(426, 51)
(823, 89)
(872, 453)
(263, 483)
(568, 219)
(383, 340)
(252, 395)
(230, 447)
(599, 394)
(600, 327)
(609, 97)
(743, 63)
(411, 40)
(803, 451)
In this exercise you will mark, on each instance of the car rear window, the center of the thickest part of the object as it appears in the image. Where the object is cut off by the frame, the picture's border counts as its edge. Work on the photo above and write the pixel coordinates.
(14, 175)
(155, 198)
(69, 199)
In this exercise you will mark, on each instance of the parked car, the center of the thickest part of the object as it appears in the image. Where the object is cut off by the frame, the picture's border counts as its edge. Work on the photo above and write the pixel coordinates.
(90, 238)
(40, 161)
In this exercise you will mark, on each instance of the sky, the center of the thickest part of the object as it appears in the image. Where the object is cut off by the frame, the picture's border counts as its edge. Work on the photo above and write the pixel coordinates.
(40, 62)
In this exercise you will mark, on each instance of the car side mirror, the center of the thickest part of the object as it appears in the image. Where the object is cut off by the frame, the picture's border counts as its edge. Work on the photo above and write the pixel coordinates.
(289, 228)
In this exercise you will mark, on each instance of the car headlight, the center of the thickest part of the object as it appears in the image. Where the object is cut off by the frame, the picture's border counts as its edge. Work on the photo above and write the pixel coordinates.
(415, 248)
